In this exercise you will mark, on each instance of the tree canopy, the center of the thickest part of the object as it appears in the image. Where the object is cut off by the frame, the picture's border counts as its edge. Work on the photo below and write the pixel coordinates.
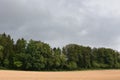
(39, 56)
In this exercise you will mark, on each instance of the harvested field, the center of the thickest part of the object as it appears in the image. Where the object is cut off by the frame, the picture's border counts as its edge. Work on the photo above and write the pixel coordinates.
(72, 75)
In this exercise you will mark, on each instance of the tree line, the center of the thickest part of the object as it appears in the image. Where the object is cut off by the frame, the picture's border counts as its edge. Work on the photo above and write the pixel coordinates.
(39, 56)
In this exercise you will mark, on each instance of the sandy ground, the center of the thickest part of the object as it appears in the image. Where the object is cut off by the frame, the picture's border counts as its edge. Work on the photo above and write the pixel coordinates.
(75, 75)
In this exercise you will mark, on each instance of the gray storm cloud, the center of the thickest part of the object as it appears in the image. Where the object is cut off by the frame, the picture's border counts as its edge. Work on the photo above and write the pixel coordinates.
(59, 22)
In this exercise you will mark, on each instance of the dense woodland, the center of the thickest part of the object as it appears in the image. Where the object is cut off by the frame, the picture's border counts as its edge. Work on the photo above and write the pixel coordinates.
(39, 56)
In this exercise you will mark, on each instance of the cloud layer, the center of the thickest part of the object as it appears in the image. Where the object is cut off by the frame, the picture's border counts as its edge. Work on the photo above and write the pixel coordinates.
(59, 22)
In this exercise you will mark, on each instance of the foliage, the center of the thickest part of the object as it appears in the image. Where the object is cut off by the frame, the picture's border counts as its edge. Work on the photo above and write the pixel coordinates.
(37, 56)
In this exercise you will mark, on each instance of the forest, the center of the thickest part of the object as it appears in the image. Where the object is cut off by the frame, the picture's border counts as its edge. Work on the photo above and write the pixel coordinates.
(39, 56)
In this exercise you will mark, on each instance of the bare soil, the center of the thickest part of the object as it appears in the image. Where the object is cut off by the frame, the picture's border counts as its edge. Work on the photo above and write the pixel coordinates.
(72, 75)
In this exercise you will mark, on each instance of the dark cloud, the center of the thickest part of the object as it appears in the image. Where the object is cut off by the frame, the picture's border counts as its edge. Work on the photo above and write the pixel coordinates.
(59, 22)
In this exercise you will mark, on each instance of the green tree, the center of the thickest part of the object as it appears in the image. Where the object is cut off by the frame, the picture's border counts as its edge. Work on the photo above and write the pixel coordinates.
(20, 46)
(40, 54)
(7, 42)
(1, 55)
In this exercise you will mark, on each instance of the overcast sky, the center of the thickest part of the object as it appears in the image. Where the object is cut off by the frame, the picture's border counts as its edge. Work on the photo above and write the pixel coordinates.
(94, 23)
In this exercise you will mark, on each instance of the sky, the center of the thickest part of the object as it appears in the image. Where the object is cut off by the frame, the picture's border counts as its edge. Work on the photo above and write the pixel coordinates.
(94, 23)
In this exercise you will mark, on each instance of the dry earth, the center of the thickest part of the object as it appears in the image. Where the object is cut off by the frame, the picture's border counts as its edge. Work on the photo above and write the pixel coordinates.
(75, 75)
